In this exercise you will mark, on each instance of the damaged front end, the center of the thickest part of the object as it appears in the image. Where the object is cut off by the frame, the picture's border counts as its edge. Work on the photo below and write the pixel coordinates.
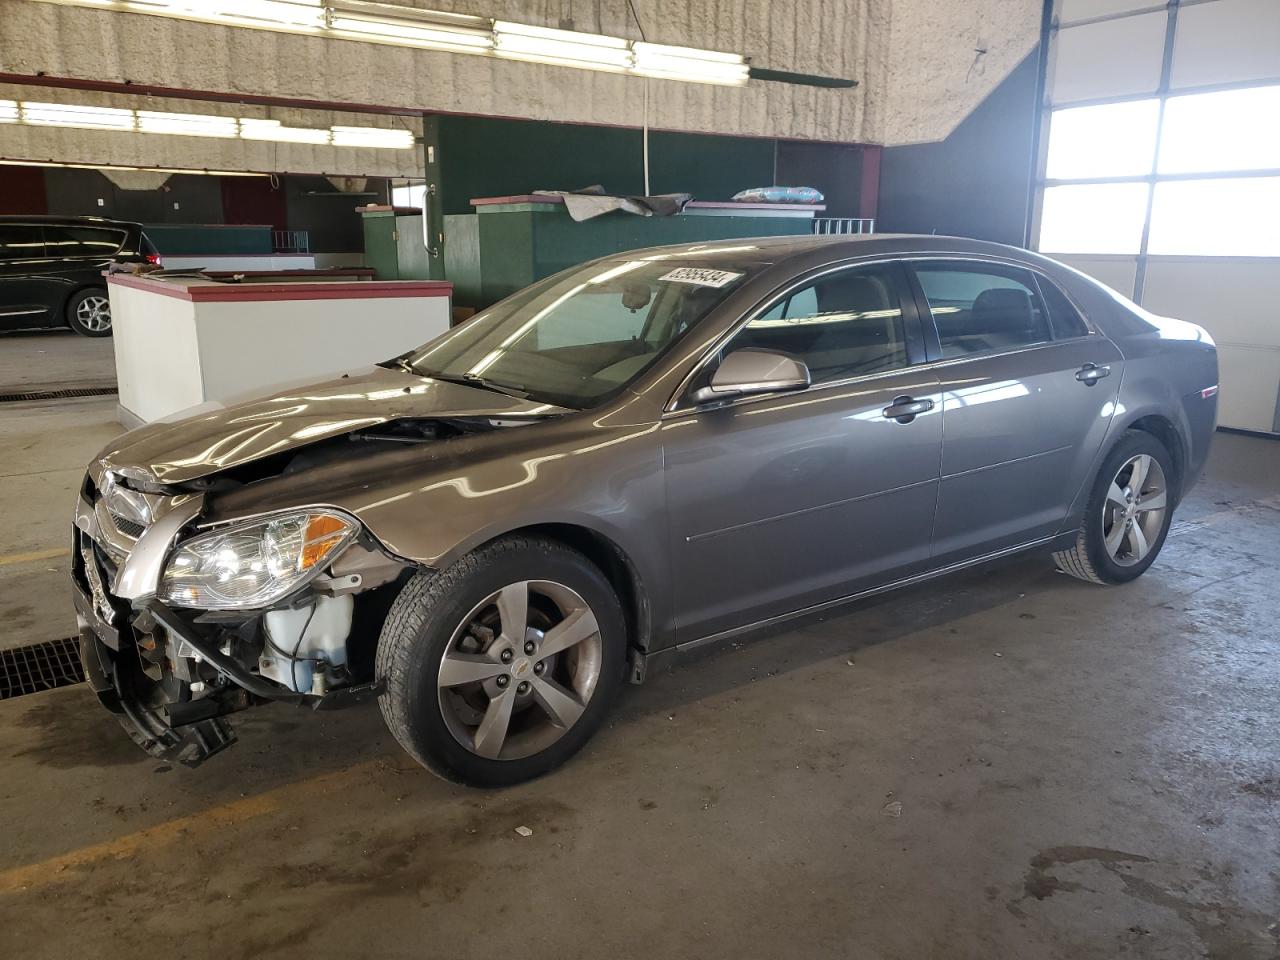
(183, 622)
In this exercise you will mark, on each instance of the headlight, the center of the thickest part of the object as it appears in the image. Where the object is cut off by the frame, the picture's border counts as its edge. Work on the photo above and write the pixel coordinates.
(253, 564)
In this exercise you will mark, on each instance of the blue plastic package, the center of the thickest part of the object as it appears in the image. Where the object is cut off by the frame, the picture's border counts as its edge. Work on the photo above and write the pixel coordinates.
(779, 195)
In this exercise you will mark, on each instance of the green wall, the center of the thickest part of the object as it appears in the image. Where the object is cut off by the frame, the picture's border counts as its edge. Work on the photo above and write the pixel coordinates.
(487, 157)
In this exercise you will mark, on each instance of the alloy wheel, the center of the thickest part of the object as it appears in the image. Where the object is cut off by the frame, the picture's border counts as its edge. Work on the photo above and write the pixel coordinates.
(1133, 514)
(94, 314)
(520, 670)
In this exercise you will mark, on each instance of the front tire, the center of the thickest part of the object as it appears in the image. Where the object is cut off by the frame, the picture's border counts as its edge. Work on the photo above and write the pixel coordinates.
(1128, 515)
(89, 313)
(500, 667)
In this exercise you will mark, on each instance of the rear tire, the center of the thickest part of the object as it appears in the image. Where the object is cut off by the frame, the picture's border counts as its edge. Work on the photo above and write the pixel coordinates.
(500, 667)
(89, 313)
(1128, 515)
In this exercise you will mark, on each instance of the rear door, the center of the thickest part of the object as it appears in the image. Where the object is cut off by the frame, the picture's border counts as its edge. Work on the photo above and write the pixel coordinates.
(1028, 391)
(23, 301)
(77, 256)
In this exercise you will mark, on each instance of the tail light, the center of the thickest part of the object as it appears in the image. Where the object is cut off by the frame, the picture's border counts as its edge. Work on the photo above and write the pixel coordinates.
(153, 258)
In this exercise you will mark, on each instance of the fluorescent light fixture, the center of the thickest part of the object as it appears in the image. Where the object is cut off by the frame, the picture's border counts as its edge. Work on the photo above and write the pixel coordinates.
(255, 129)
(380, 137)
(187, 124)
(272, 13)
(120, 166)
(400, 25)
(411, 34)
(520, 41)
(199, 125)
(405, 26)
(689, 64)
(70, 115)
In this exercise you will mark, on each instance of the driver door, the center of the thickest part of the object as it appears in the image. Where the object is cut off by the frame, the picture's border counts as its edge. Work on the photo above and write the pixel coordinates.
(781, 501)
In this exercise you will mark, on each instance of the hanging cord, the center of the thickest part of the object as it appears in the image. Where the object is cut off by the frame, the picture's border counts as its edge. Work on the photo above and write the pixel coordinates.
(636, 17)
(645, 128)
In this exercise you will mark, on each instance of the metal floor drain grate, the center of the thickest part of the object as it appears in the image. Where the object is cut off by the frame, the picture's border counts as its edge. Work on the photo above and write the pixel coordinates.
(41, 666)
(59, 394)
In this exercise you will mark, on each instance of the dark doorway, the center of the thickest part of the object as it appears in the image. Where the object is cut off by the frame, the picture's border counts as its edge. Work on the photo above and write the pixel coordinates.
(254, 200)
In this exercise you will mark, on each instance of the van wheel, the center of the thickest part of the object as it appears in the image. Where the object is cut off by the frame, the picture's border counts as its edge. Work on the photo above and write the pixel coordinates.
(1130, 509)
(89, 313)
(500, 667)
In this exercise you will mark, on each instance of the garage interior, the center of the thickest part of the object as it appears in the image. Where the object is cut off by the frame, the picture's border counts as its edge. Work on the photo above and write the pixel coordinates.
(1003, 763)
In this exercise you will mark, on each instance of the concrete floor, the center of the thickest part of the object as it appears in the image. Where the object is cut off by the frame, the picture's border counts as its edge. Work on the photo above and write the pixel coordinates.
(44, 448)
(1007, 764)
(54, 360)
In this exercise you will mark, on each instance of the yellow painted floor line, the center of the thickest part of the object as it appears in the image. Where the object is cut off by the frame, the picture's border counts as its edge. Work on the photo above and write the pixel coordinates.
(12, 558)
(290, 797)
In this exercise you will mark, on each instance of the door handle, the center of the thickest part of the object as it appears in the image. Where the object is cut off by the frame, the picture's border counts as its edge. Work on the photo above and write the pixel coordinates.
(1091, 373)
(906, 409)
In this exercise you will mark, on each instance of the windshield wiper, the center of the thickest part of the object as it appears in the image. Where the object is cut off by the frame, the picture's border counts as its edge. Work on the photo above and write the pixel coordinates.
(475, 380)
(400, 363)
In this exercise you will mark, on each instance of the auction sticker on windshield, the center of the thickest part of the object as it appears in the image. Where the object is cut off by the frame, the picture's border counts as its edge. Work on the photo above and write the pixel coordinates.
(700, 276)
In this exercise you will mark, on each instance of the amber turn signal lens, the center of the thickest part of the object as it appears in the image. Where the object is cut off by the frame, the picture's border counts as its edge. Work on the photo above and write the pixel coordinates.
(323, 532)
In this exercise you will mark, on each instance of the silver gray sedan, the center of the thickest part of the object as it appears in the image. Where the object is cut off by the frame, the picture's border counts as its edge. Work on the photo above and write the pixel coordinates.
(638, 456)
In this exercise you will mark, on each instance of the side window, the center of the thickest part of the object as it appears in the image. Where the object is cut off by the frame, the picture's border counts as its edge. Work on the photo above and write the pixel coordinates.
(980, 308)
(844, 325)
(1066, 320)
(81, 241)
(20, 241)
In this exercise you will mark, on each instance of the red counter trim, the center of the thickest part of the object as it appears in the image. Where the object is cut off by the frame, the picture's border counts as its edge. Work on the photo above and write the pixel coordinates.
(258, 292)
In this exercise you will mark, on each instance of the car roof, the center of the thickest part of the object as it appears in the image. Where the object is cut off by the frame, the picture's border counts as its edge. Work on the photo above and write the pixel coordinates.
(44, 218)
(835, 247)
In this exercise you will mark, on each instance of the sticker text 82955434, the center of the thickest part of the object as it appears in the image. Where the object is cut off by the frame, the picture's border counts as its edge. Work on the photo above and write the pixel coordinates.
(700, 276)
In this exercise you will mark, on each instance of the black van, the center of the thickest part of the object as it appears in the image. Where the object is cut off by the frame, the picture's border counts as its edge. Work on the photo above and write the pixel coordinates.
(51, 270)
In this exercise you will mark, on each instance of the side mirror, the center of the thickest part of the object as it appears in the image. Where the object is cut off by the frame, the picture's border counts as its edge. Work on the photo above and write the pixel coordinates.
(746, 372)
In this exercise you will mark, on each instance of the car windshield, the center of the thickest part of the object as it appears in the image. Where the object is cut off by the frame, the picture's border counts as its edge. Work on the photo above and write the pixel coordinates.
(577, 339)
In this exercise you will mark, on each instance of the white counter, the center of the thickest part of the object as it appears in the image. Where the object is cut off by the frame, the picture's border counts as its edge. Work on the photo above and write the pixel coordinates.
(184, 341)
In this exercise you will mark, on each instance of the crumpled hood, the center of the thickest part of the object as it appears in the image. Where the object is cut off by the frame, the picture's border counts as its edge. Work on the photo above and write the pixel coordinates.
(217, 436)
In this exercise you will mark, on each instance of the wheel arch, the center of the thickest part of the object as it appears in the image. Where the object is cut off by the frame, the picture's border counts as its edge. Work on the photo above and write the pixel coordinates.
(74, 290)
(1166, 431)
(1153, 421)
(612, 561)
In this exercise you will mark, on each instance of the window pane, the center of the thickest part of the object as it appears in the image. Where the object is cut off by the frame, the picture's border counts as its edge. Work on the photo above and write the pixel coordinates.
(1086, 9)
(1229, 130)
(414, 195)
(978, 310)
(843, 326)
(20, 242)
(81, 241)
(1111, 140)
(1217, 218)
(1109, 59)
(1093, 218)
(1226, 40)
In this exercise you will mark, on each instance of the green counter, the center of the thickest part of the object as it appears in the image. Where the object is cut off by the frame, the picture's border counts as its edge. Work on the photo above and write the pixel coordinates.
(509, 242)
(393, 244)
(210, 239)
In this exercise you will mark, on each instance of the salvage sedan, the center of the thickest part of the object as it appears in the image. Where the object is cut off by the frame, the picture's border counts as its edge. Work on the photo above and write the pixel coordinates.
(635, 457)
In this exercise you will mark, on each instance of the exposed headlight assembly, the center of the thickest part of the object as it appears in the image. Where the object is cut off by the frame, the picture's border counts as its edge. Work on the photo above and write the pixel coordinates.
(254, 564)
